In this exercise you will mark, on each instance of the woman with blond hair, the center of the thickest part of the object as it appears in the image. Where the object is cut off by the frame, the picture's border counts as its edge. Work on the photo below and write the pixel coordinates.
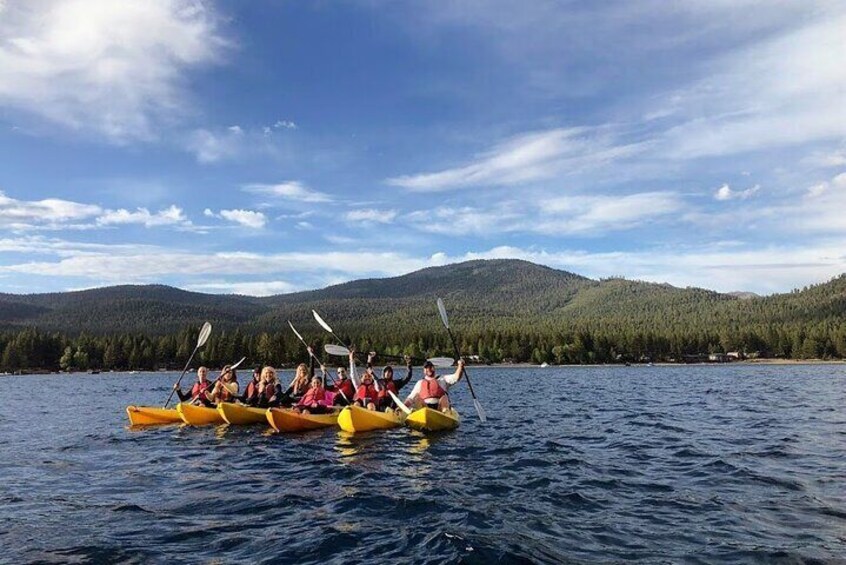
(269, 389)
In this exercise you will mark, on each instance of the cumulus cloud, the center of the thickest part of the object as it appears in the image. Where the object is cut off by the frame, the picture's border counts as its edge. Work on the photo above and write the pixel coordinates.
(209, 146)
(114, 69)
(247, 218)
(288, 190)
(726, 193)
(16, 214)
(170, 216)
(528, 157)
(371, 215)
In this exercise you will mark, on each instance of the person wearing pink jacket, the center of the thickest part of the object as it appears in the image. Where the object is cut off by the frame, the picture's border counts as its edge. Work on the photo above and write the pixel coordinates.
(316, 400)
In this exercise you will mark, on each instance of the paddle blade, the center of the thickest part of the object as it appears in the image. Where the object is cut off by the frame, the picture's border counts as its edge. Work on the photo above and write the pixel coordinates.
(296, 333)
(205, 332)
(442, 361)
(480, 411)
(238, 364)
(442, 310)
(399, 402)
(338, 350)
(320, 321)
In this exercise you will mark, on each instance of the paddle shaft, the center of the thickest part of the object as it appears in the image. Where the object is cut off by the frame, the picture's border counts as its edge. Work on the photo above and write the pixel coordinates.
(375, 381)
(185, 370)
(458, 355)
(322, 367)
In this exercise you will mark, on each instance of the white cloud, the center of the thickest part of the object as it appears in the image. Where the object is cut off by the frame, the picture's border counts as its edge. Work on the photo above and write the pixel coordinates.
(247, 218)
(726, 193)
(249, 288)
(781, 91)
(289, 190)
(171, 216)
(285, 124)
(20, 214)
(528, 157)
(371, 215)
(115, 69)
(210, 147)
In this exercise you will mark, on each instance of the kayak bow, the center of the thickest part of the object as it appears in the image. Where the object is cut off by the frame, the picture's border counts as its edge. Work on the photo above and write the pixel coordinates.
(240, 415)
(151, 415)
(287, 420)
(198, 415)
(429, 420)
(357, 419)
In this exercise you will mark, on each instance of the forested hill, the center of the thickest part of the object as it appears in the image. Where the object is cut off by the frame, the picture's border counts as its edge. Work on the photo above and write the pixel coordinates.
(500, 309)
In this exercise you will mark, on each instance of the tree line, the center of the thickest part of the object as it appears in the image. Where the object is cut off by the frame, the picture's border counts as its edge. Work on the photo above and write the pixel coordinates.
(32, 349)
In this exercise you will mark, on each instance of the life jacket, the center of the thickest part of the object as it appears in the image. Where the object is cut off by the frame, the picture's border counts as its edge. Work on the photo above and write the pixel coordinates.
(366, 392)
(199, 390)
(252, 390)
(224, 395)
(431, 389)
(387, 385)
(345, 386)
(311, 397)
(269, 391)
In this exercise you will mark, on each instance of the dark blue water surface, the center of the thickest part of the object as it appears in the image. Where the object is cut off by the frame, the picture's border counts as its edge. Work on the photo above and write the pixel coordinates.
(654, 464)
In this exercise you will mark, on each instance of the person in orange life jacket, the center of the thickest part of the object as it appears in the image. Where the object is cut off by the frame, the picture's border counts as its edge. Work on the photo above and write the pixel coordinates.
(388, 383)
(269, 389)
(316, 400)
(342, 385)
(367, 393)
(225, 389)
(251, 394)
(199, 392)
(431, 390)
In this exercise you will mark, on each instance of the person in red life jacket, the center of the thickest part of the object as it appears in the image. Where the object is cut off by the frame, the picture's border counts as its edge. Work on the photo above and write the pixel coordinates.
(251, 393)
(388, 383)
(269, 390)
(367, 393)
(431, 390)
(199, 392)
(344, 388)
(225, 389)
(316, 400)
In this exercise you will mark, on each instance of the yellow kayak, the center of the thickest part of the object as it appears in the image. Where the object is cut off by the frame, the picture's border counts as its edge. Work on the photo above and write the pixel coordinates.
(357, 419)
(198, 415)
(151, 415)
(240, 415)
(287, 420)
(428, 420)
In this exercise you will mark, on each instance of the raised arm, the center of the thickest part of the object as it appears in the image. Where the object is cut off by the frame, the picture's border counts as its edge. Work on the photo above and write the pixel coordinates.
(459, 371)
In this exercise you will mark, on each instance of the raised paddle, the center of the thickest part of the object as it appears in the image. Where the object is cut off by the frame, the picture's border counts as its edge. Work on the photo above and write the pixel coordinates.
(326, 327)
(223, 374)
(341, 351)
(445, 320)
(322, 368)
(205, 331)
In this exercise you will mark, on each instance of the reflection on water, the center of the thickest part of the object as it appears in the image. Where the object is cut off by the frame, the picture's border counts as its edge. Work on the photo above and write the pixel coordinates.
(593, 464)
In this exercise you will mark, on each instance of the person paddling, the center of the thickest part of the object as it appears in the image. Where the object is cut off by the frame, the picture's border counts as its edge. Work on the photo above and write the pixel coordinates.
(388, 383)
(343, 387)
(225, 389)
(367, 393)
(299, 385)
(431, 390)
(251, 391)
(199, 392)
(269, 389)
(316, 400)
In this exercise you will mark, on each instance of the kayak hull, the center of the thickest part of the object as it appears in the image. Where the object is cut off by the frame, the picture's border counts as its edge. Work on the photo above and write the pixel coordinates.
(198, 415)
(285, 420)
(428, 420)
(152, 416)
(354, 419)
(240, 415)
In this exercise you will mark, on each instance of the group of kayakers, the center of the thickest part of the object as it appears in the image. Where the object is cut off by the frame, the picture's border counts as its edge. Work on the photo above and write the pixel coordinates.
(310, 393)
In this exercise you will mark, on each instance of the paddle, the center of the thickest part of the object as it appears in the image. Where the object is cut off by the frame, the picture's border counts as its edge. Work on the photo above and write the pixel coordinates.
(322, 368)
(341, 351)
(399, 403)
(326, 327)
(205, 331)
(445, 320)
(223, 374)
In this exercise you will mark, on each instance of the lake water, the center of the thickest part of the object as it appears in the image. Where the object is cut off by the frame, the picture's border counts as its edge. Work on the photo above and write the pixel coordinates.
(656, 464)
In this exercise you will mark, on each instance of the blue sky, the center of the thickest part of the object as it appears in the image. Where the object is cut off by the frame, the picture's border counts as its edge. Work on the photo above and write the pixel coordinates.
(268, 147)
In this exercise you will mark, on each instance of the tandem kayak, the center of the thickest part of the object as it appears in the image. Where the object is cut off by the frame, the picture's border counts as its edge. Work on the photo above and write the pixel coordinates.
(198, 415)
(357, 419)
(428, 420)
(287, 420)
(240, 415)
(152, 415)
